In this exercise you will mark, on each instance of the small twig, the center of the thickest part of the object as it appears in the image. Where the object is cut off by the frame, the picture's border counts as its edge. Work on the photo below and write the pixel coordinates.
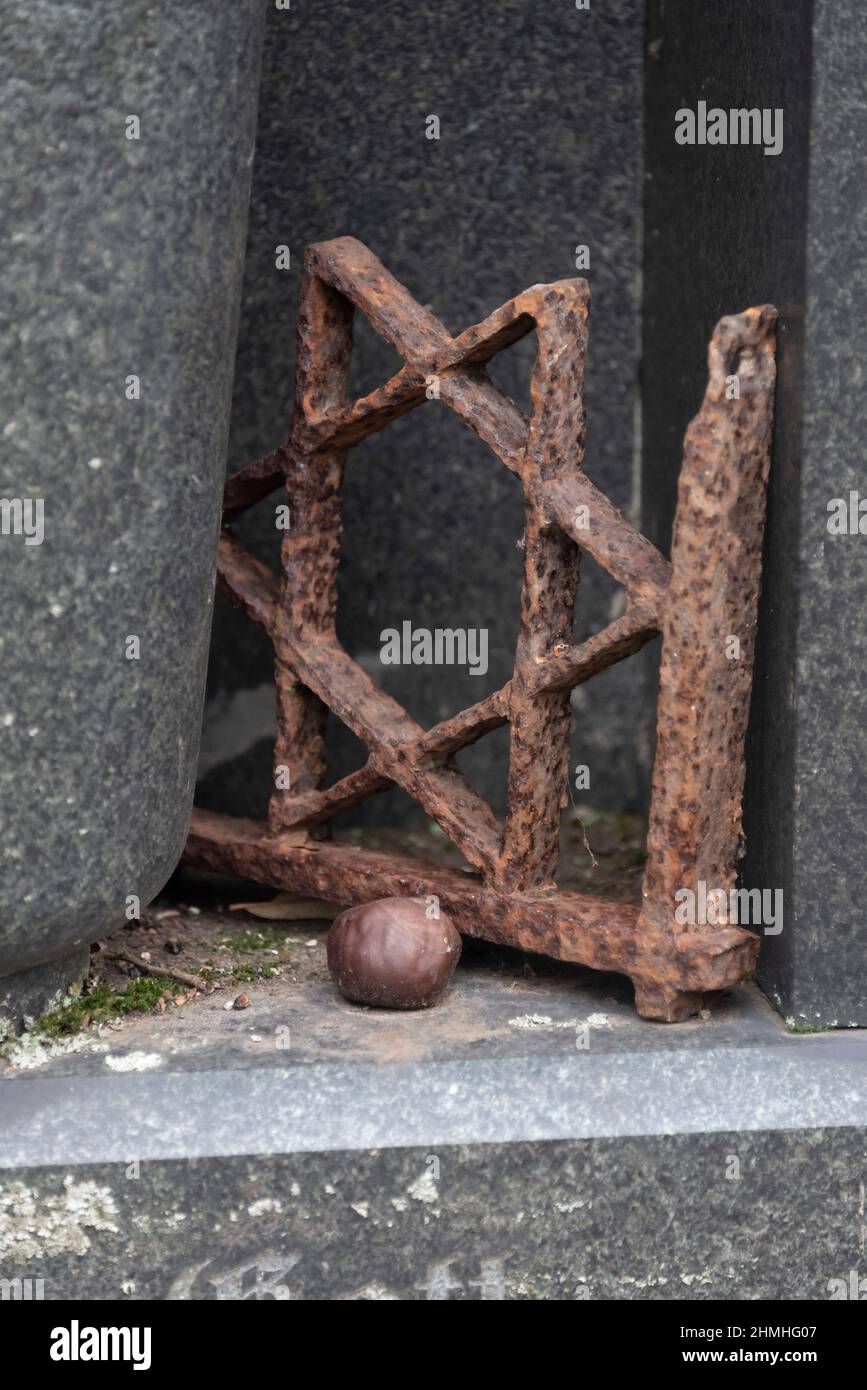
(594, 861)
(158, 971)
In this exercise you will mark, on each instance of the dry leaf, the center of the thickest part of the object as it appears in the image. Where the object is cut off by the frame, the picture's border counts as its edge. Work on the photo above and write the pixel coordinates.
(287, 908)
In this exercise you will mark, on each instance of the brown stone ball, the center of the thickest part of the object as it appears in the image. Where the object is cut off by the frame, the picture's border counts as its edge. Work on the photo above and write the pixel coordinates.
(390, 953)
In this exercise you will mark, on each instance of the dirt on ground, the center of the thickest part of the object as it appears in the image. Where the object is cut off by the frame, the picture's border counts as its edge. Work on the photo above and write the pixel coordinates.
(207, 936)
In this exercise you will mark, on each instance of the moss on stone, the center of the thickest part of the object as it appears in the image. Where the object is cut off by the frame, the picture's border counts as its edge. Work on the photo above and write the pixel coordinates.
(102, 1004)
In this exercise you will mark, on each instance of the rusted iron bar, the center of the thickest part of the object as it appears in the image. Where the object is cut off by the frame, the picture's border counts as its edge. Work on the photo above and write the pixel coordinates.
(595, 524)
(575, 927)
(254, 482)
(708, 642)
(310, 552)
(248, 584)
(705, 598)
(564, 667)
(392, 737)
(540, 721)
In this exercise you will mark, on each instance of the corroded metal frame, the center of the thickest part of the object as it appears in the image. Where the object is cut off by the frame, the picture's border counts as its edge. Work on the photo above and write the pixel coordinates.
(699, 602)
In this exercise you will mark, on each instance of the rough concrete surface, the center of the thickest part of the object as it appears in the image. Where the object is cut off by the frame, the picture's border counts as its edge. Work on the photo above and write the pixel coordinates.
(527, 1138)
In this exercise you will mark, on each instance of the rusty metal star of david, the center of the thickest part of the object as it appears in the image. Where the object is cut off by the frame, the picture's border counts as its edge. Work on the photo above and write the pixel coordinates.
(706, 596)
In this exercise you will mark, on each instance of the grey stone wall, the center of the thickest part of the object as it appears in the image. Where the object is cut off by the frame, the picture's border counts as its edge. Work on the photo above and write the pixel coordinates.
(817, 970)
(124, 259)
(540, 151)
(726, 227)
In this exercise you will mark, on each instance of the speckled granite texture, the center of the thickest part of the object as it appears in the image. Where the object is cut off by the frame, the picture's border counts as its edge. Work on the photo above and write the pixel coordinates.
(725, 227)
(526, 1139)
(125, 259)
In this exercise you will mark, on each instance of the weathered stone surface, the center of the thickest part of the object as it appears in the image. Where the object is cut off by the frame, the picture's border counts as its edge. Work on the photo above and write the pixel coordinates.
(30, 993)
(527, 1139)
(726, 225)
(636, 1218)
(126, 260)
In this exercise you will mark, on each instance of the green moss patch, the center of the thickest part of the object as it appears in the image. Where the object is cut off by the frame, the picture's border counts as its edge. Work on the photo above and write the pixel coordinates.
(102, 1004)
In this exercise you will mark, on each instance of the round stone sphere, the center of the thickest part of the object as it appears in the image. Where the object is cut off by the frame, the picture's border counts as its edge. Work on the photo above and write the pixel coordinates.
(391, 954)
